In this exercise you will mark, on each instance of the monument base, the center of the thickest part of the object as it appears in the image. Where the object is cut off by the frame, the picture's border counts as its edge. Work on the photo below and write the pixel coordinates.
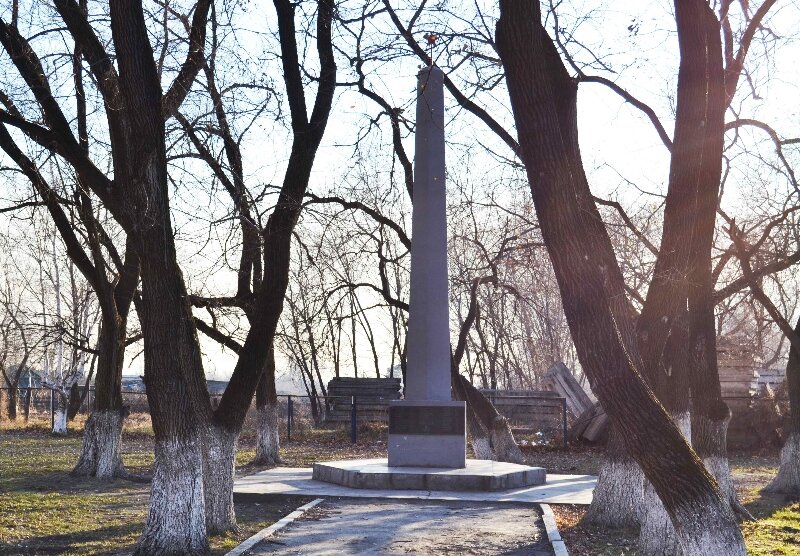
(427, 433)
(476, 476)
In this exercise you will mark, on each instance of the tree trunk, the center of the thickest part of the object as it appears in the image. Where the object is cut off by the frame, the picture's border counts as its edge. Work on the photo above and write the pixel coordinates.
(788, 479)
(709, 437)
(618, 495)
(504, 445)
(102, 435)
(481, 445)
(267, 434)
(267, 412)
(74, 403)
(657, 535)
(543, 99)
(710, 414)
(179, 405)
(60, 403)
(176, 522)
(482, 416)
(102, 439)
(173, 372)
(26, 408)
(11, 401)
(218, 475)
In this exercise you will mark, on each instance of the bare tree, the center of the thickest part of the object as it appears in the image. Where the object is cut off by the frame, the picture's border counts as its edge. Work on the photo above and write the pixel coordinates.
(543, 99)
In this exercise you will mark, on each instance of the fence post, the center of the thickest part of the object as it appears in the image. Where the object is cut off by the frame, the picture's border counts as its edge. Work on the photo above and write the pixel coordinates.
(564, 420)
(353, 416)
(289, 411)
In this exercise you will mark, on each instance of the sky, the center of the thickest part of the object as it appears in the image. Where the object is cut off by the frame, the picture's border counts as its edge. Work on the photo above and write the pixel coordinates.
(632, 43)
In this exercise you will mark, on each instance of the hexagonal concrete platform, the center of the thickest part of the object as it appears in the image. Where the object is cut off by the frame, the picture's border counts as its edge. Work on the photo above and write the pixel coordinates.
(479, 475)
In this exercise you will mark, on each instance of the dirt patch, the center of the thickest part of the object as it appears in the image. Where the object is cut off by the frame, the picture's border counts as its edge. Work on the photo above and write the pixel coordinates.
(751, 472)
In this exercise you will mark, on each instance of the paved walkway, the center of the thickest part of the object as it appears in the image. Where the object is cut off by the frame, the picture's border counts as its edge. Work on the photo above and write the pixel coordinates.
(411, 527)
(559, 489)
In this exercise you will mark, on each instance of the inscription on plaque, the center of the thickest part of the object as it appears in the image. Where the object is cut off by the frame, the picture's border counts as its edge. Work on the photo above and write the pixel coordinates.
(426, 420)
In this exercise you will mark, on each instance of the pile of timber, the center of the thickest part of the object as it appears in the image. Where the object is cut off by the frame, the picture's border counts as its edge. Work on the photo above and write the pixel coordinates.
(772, 377)
(372, 396)
(590, 422)
(592, 426)
(738, 379)
(528, 411)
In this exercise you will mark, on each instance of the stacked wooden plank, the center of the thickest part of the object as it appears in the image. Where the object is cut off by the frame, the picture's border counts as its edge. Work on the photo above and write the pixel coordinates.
(372, 397)
(592, 426)
(559, 379)
(590, 422)
(738, 379)
(774, 377)
(528, 411)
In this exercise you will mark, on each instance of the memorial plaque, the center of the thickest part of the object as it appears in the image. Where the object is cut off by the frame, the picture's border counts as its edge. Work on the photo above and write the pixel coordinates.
(411, 419)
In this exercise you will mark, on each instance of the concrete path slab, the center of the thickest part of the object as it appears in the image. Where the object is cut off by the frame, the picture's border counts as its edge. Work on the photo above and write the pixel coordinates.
(411, 527)
(559, 489)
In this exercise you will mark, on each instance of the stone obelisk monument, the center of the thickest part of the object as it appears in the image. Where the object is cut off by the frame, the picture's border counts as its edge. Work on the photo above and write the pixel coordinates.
(427, 428)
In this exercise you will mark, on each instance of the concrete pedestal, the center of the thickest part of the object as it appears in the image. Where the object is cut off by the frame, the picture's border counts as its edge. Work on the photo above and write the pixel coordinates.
(477, 476)
(427, 433)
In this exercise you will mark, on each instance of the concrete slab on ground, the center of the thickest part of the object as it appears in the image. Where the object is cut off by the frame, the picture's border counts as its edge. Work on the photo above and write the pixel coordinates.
(559, 489)
(411, 527)
(479, 475)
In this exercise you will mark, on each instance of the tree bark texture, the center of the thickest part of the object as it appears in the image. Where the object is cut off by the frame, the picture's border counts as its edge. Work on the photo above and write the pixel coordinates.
(710, 414)
(100, 452)
(267, 412)
(543, 99)
(11, 400)
(60, 403)
(102, 436)
(176, 522)
(657, 535)
(788, 479)
(485, 424)
(173, 372)
(74, 404)
(219, 469)
(618, 494)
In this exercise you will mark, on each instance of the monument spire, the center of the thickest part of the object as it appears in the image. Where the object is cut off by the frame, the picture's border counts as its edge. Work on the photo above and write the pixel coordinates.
(427, 428)
(428, 370)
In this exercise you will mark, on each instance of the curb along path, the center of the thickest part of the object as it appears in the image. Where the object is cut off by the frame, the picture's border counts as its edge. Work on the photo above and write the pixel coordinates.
(272, 529)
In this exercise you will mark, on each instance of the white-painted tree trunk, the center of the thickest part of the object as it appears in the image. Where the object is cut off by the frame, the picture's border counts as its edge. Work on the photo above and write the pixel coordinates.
(267, 435)
(701, 534)
(721, 470)
(219, 471)
(657, 535)
(177, 520)
(503, 443)
(619, 494)
(102, 439)
(60, 403)
(482, 448)
(787, 481)
(714, 435)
